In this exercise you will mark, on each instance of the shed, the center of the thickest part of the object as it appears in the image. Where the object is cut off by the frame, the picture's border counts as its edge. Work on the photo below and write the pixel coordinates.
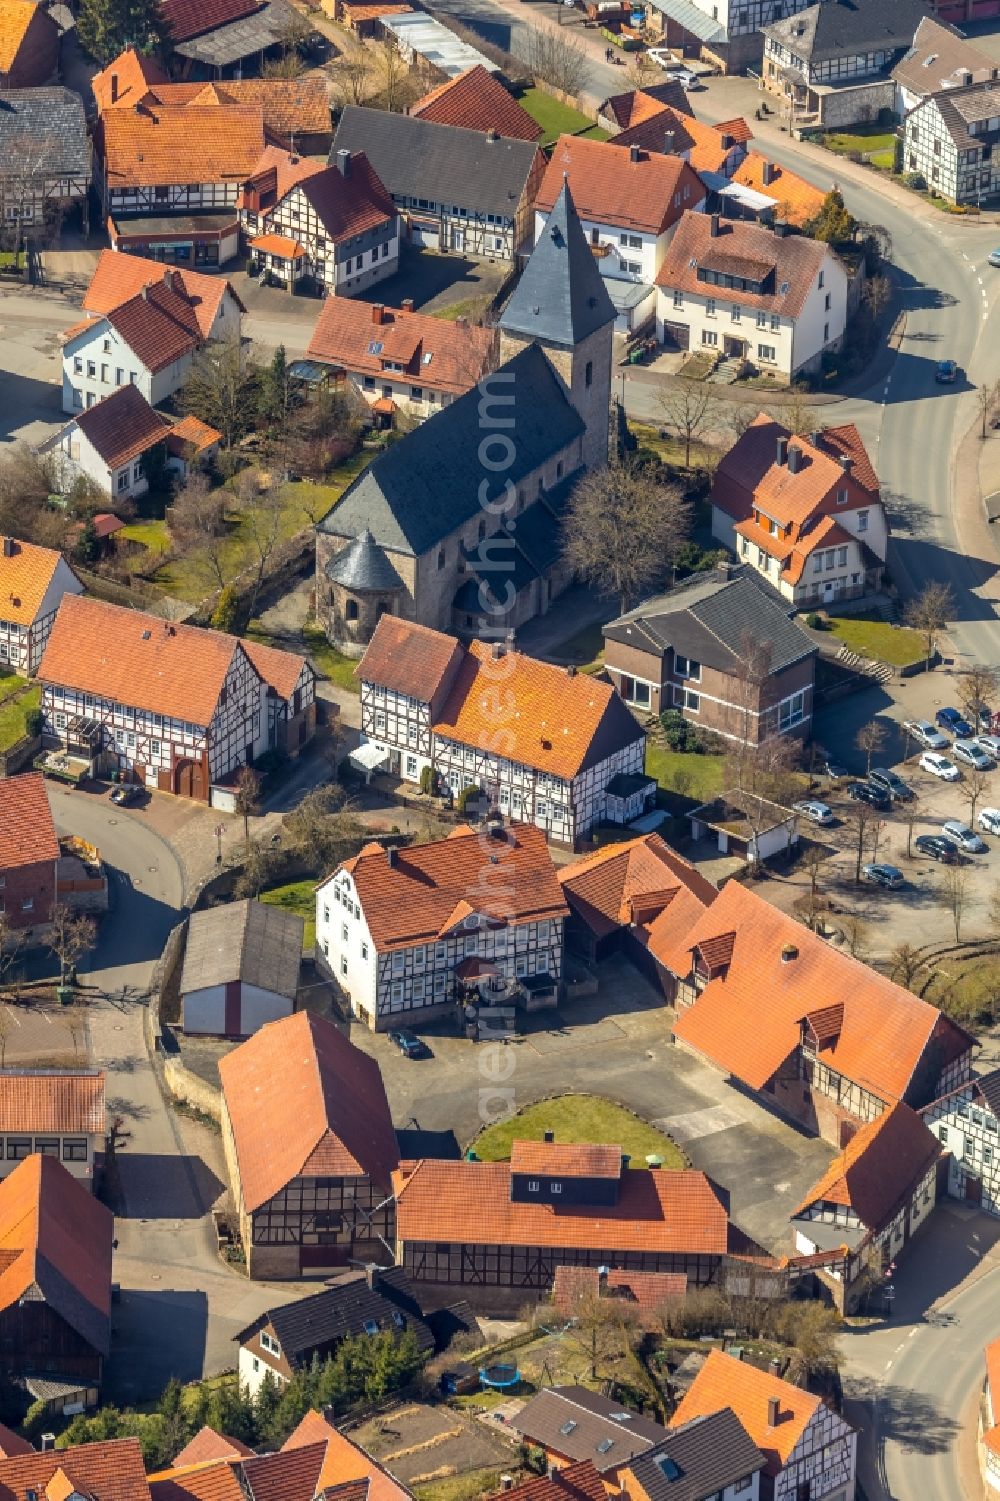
(746, 826)
(241, 968)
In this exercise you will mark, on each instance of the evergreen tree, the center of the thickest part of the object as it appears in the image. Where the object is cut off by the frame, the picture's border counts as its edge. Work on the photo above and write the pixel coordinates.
(107, 27)
(832, 224)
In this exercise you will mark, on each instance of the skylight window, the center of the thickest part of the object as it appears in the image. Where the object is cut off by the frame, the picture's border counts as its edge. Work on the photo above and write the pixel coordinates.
(376, 346)
(784, 287)
(568, 1427)
(370, 1326)
(428, 357)
(668, 1467)
(605, 1445)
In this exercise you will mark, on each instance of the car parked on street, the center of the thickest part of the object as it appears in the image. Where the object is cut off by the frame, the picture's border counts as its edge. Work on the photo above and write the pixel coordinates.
(967, 839)
(889, 876)
(125, 794)
(898, 790)
(938, 847)
(989, 820)
(940, 766)
(971, 753)
(945, 372)
(408, 1045)
(994, 258)
(814, 810)
(867, 792)
(955, 723)
(924, 732)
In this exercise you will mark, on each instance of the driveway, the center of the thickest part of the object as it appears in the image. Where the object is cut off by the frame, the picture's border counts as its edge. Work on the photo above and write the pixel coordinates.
(31, 364)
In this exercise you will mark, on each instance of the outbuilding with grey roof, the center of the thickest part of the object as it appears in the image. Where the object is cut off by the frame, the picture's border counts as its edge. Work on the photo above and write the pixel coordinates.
(241, 968)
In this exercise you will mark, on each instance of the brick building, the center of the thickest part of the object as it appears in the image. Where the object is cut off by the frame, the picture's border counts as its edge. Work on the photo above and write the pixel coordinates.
(29, 857)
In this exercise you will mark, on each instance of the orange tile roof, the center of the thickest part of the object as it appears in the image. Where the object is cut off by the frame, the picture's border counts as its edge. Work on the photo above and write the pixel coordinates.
(164, 145)
(159, 325)
(743, 247)
(277, 171)
(878, 1169)
(133, 72)
(573, 1482)
(281, 670)
(137, 659)
(609, 188)
(27, 829)
(208, 1444)
(122, 426)
(478, 100)
(798, 201)
(303, 1100)
(68, 1103)
(344, 1461)
(191, 436)
(410, 658)
(469, 1203)
(431, 888)
(845, 439)
(609, 888)
(748, 475)
(747, 1019)
(107, 1470)
(737, 128)
(12, 1443)
(726, 1382)
(118, 277)
(54, 1235)
(16, 16)
(647, 1292)
(566, 1159)
(698, 141)
(638, 104)
(665, 934)
(278, 245)
(206, 1481)
(348, 206)
(459, 354)
(992, 1353)
(24, 580)
(289, 106)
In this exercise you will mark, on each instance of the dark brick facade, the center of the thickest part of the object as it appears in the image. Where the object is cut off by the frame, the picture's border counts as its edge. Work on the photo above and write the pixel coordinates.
(28, 884)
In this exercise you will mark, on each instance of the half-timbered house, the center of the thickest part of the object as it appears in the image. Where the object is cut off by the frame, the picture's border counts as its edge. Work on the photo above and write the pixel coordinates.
(469, 1224)
(172, 706)
(572, 754)
(571, 1424)
(832, 1043)
(33, 581)
(44, 159)
(966, 1121)
(310, 1149)
(405, 931)
(809, 1450)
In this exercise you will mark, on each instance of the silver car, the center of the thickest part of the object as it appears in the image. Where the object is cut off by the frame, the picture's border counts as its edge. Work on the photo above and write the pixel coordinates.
(966, 838)
(971, 753)
(990, 744)
(924, 732)
(815, 811)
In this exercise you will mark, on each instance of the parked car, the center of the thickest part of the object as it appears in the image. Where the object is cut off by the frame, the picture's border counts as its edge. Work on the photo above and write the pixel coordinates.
(983, 716)
(989, 820)
(990, 744)
(867, 792)
(940, 766)
(883, 875)
(898, 790)
(955, 723)
(924, 732)
(938, 847)
(125, 794)
(971, 753)
(946, 372)
(835, 770)
(967, 839)
(408, 1045)
(994, 258)
(814, 810)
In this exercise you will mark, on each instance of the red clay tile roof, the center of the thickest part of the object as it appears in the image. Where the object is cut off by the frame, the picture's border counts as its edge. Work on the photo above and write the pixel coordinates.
(798, 201)
(208, 1444)
(185, 19)
(276, 172)
(845, 439)
(25, 577)
(433, 887)
(16, 17)
(566, 1159)
(748, 1019)
(27, 829)
(38, 1102)
(191, 436)
(459, 354)
(348, 206)
(609, 188)
(638, 104)
(278, 245)
(163, 145)
(410, 658)
(665, 934)
(741, 246)
(12, 1443)
(624, 883)
(726, 1382)
(137, 659)
(122, 426)
(281, 670)
(158, 324)
(469, 1203)
(134, 74)
(574, 1482)
(993, 1374)
(285, 1476)
(749, 475)
(206, 1481)
(344, 1462)
(737, 128)
(302, 1100)
(478, 100)
(57, 1237)
(646, 1292)
(878, 1169)
(700, 143)
(107, 1470)
(118, 277)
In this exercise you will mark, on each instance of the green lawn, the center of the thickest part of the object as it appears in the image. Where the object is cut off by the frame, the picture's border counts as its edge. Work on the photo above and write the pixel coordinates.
(300, 897)
(871, 636)
(558, 119)
(685, 772)
(13, 711)
(876, 139)
(10, 684)
(328, 660)
(579, 1118)
(671, 450)
(150, 534)
(585, 648)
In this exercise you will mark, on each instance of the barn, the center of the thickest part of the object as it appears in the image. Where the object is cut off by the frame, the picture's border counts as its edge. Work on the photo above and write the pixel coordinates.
(241, 968)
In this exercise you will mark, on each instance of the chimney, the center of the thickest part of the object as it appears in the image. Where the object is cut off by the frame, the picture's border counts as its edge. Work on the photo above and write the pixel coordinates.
(497, 650)
(789, 953)
(8, 547)
(626, 1159)
(846, 463)
(407, 304)
(114, 88)
(781, 228)
(344, 163)
(781, 452)
(372, 1276)
(633, 153)
(773, 1409)
(713, 226)
(168, 280)
(727, 141)
(724, 568)
(492, 135)
(794, 458)
(548, 1136)
(571, 671)
(775, 1367)
(506, 1482)
(816, 438)
(669, 141)
(767, 174)
(392, 856)
(145, 294)
(378, 312)
(47, 1440)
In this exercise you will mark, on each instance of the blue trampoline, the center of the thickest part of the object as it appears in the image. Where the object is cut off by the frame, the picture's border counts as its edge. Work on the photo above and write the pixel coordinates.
(500, 1377)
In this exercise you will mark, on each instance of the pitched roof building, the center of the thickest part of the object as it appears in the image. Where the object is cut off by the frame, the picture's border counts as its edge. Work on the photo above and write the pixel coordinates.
(29, 858)
(790, 197)
(950, 138)
(836, 1042)
(106, 1470)
(218, 34)
(33, 581)
(59, 1113)
(241, 968)
(831, 61)
(300, 1103)
(667, 130)
(622, 111)
(573, 1425)
(29, 45)
(207, 1446)
(940, 58)
(118, 278)
(478, 100)
(571, 1482)
(45, 156)
(644, 1294)
(710, 1456)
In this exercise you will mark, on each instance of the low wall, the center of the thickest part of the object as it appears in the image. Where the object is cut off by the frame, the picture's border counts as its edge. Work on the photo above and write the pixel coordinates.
(186, 1086)
(855, 106)
(20, 755)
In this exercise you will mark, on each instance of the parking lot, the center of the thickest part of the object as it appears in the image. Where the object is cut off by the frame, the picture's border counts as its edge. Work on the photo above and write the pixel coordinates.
(30, 365)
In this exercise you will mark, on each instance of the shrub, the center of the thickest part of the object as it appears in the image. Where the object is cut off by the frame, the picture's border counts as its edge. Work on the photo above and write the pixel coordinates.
(428, 781)
(814, 621)
(33, 722)
(36, 1418)
(915, 180)
(224, 614)
(466, 796)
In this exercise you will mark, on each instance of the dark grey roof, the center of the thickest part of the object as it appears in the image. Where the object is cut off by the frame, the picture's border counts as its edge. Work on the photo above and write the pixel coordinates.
(699, 1459)
(241, 38)
(708, 617)
(426, 486)
(989, 1088)
(341, 1310)
(443, 163)
(960, 108)
(248, 941)
(535, 546)
(847, 28)
(561, 297)
(48, 124)
(363, 567)
(580, 1424)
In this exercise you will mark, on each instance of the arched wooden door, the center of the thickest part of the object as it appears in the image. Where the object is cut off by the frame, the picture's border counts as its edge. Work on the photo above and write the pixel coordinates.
(189, 780)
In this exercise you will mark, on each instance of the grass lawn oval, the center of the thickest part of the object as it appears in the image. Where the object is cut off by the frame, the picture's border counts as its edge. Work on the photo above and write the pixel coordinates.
(579, 1118)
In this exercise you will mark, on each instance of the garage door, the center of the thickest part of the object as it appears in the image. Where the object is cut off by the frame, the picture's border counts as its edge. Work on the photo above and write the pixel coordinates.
(424, 232)
(676, 335)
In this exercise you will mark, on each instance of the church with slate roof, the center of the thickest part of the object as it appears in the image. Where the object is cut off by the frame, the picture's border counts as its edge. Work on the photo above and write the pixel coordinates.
(458, 525)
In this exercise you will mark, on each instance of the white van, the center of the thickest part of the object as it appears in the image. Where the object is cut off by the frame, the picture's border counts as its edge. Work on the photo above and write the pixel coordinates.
(989, 820)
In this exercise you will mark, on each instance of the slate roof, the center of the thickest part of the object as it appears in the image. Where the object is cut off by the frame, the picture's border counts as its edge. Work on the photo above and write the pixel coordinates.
(939, 58)
(960, 108)
(478, 100)
(600, 1430)
(443, 163)
(248, 941)
(561, 297)
(848, 28)
(699, 1460)
(709, 618)
(426, 486)
(879, 1168)
(341, 1310)
(37, 1101)
(52, 119)
(27, 829)
(363, 567)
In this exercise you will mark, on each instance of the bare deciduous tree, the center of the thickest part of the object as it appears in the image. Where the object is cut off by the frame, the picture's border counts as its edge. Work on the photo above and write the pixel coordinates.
(691, 410)
(246, 799)
(197, 522)
(971, 788)
(602, 1331)
(354, 77)
(70, 936)
(877, 294)
(558, 60)
(977, 690)
(871, 738)
(809, 906)
(905, 963)
(929, 613)
(864, 822)
(259, 864)
(263, 514)
(624, 529)
(987, 397)
(855, 935)
(955, 895)
(222, 388)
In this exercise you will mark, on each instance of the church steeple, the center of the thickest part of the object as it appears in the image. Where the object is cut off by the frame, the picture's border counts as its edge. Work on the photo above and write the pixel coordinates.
(561, 298)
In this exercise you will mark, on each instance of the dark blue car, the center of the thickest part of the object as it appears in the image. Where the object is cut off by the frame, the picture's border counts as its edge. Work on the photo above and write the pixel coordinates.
(952, 721)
